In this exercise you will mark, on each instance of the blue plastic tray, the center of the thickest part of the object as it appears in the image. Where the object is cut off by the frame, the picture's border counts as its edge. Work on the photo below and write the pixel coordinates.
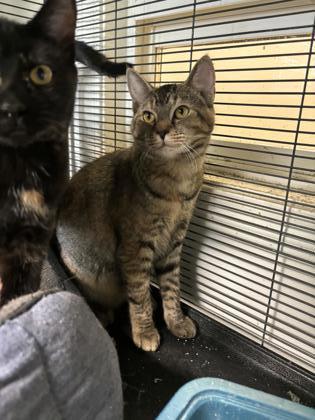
(217, 399)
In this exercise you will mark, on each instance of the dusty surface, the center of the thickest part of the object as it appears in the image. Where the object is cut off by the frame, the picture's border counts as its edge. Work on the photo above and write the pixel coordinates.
(150, 379)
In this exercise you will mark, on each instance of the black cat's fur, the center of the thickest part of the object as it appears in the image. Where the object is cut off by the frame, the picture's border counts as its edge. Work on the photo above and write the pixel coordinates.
(34, 122)
(98, 61)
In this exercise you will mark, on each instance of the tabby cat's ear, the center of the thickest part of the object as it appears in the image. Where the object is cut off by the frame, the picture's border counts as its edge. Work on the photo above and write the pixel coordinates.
(139, 89)
(202, 78)
(57, 20)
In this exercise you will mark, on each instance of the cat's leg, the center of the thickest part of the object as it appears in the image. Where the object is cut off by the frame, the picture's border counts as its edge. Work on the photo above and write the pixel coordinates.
(137, 272)
(168, 275)
(19, 277)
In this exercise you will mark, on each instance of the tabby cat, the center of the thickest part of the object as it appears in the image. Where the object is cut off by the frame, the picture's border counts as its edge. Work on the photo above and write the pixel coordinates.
(37, 88)
(124, 216)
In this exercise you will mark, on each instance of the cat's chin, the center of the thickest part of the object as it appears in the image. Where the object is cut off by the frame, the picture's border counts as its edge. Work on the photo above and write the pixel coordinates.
(16, 140)
(23, 139)
(169, 151)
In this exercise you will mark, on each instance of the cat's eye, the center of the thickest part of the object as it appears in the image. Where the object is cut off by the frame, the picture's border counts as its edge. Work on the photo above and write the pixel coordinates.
(41, 75)
(148, 117)
(182, 112)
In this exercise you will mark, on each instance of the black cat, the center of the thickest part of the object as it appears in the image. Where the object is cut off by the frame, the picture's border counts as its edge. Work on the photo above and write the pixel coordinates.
(37, 87)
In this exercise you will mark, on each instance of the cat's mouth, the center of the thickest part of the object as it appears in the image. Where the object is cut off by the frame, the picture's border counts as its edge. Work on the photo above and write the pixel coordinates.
(8, 121)
(170, 145)
(11, 126)
(13, 137)
(16, 132)
(16, 139)
(170, 141)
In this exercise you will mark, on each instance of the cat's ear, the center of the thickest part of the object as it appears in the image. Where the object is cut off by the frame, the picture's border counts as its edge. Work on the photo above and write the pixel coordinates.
(202, 78)
(57, 20)
(139, 88)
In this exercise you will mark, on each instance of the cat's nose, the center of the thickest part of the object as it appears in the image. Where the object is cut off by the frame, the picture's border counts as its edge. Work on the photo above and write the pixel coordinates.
(11, 110)
(8, 122)
(163, 127)
(162, 133)
(10, 104)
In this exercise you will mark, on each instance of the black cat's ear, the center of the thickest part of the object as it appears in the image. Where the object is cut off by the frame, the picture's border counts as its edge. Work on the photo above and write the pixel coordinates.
(57, 20)
(139, 88)
(202, 78)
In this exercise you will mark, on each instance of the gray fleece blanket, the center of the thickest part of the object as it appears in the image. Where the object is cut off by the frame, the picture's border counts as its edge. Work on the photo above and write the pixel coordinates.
(56, 360)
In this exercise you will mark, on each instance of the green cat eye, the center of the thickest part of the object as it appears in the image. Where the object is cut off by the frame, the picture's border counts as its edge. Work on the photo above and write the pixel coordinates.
(41, 75)
(182, 112)
(148, 117)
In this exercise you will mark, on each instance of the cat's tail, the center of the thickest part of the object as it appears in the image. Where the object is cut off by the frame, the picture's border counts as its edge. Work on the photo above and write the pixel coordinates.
(98, 61)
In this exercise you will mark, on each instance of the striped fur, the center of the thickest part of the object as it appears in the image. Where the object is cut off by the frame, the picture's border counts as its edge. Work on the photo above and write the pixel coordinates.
(125, 216)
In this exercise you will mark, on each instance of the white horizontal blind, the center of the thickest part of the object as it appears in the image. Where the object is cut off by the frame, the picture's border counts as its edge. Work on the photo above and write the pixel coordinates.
(19, 10)
(85, 144)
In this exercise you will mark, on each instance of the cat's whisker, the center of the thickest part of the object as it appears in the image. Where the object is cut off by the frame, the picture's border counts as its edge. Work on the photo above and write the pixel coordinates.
(192, 150)
(190, 155)
(53, 123)
(69, 278)
(43, 170)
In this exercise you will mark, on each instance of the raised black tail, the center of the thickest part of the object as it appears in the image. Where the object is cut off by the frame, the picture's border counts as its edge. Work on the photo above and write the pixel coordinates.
(98, 61)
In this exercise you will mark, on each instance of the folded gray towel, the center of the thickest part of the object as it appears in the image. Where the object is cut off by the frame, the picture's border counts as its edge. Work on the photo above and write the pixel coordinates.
(57, 362)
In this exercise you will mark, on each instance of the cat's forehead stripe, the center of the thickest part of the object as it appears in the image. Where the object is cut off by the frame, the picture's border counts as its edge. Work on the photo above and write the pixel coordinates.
(165, 93)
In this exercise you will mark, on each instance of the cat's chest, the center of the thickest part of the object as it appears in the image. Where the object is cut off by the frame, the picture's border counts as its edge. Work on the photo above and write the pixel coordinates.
(38, 169)
(21, 197)
(22, 206)
(165, 226)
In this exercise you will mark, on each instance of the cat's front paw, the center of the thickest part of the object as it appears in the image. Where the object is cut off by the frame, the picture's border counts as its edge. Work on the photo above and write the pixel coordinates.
(186, 328)
(147, 340)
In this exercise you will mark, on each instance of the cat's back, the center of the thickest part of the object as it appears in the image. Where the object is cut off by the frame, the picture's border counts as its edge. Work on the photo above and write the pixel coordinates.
(95, 178)
(99, 172)
(91, 189)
